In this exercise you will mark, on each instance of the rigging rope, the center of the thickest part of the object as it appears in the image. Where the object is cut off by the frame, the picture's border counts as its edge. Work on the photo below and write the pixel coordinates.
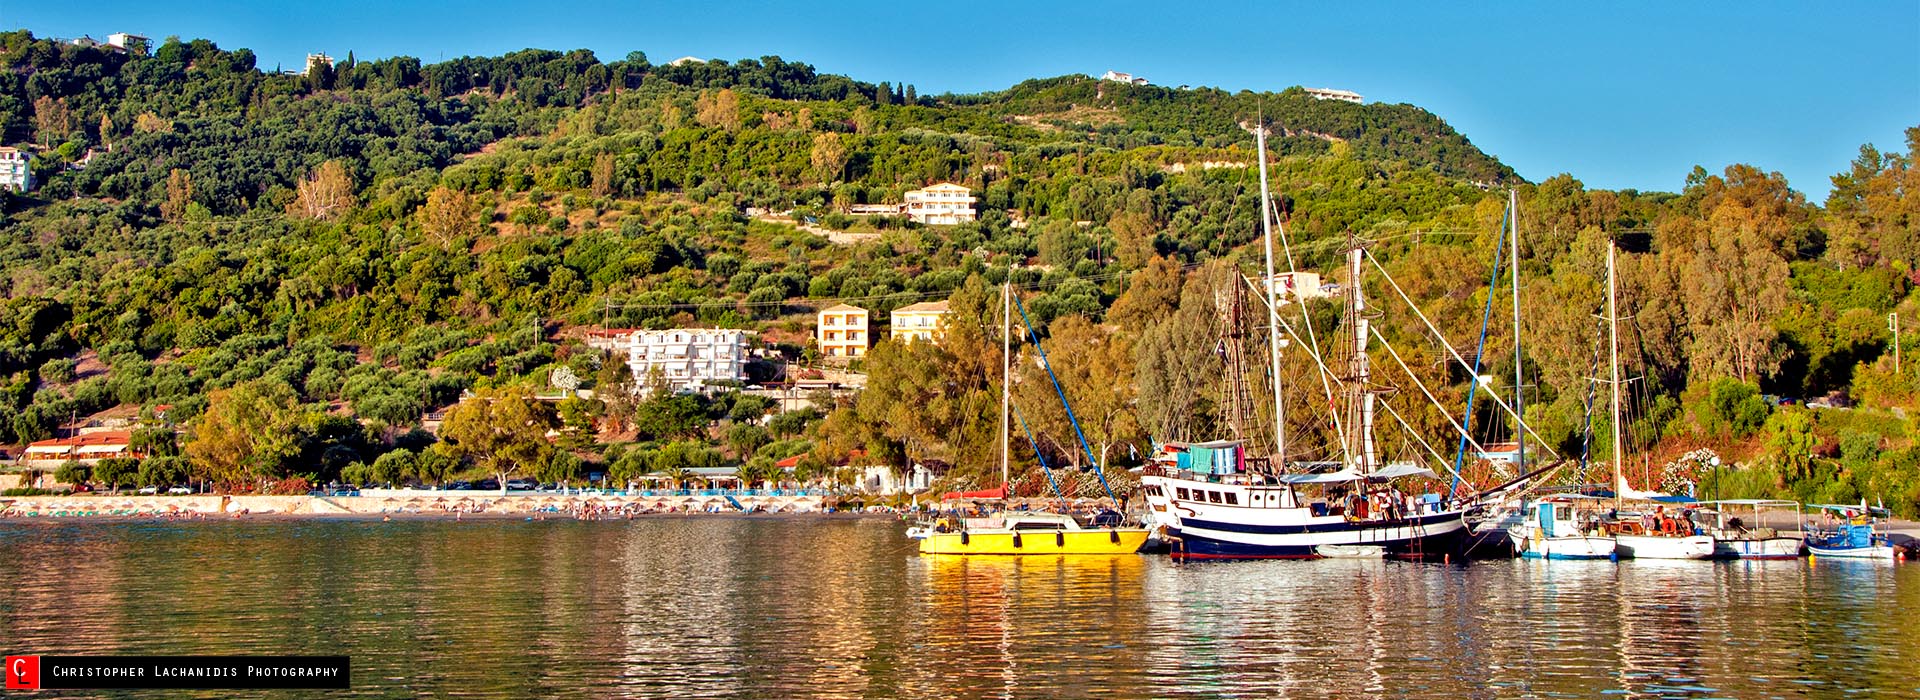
(1036, 452)
(1098, 468)
(1473, 383)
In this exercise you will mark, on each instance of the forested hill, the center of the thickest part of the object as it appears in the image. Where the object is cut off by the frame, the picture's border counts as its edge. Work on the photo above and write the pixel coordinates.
(1122, 115)
(398, 114)
(301, 266)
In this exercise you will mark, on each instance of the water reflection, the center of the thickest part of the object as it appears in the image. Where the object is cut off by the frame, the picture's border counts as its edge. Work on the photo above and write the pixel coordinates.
(737, 607)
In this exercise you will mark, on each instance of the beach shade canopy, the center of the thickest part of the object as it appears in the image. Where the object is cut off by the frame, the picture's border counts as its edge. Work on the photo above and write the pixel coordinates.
(992, 493)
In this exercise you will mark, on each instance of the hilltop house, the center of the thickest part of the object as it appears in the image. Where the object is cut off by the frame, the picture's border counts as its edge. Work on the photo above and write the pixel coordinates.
(1332, 94)
(1119, 77)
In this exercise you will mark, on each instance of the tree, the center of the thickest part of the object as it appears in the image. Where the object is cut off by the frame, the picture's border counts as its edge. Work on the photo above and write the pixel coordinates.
(179, 195)
(501, 431)
(447, 216)
(325, 194)
(829, 156)
(1790, 442)
(393, 467)
(602, 175)
(73, 472)
(113, 472)
(718, 109)
(247, 433)
(52, 120)
(746, 438)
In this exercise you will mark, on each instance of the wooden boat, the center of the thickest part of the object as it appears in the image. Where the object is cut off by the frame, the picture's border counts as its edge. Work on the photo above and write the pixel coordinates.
(1848, 532)
(1029, 533)
(1740, 530)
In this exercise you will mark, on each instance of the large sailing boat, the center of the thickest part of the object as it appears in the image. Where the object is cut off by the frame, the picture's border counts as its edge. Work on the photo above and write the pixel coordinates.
(1023, 532)
(1216, 508)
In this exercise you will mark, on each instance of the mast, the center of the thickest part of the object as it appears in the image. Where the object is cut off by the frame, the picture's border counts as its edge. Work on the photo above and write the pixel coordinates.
(1519, 412)
(1273, 312)
(1006, 376)
(1613, 335)
(1362, 395)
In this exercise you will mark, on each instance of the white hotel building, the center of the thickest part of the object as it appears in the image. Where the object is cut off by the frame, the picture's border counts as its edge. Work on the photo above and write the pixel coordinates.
(687, 359)
(942, 204)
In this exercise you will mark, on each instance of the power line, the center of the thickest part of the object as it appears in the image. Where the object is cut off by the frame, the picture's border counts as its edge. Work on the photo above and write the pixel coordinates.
(828, 301)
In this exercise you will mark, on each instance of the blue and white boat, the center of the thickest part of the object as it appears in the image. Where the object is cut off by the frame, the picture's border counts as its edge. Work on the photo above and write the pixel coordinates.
(1848, 532)
(1236, 515)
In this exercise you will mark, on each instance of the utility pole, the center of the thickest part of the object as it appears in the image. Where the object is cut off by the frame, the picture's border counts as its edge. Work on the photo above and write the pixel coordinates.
(1893, 321)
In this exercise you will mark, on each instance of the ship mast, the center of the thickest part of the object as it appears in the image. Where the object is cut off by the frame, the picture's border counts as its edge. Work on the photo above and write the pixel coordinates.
(1519, 412)
(1613, 334)
(1006, 385)
(1273, 312)
(1360, 390)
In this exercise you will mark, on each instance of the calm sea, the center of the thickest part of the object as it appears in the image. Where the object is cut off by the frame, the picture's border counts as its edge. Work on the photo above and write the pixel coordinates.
(740, 607)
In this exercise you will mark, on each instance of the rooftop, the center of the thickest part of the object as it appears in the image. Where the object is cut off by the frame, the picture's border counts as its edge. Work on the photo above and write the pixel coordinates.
(925, 306)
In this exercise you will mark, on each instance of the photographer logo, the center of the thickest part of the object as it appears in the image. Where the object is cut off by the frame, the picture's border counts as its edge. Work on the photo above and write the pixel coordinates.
(23, 672)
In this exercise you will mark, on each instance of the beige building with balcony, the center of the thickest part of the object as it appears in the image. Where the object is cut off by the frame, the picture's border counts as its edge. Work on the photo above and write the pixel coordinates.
(841, 331)
(944, 204)
(922, 321)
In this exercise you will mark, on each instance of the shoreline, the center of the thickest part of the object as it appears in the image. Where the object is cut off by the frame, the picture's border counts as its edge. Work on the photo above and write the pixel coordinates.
(484, 516)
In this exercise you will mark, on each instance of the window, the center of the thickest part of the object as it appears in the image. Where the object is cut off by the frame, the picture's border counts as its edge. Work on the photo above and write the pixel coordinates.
(1180, 493)
(1213, 496)
(1233, 499)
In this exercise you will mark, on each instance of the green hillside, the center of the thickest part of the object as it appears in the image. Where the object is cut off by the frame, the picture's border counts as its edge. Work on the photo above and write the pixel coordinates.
(326, 257)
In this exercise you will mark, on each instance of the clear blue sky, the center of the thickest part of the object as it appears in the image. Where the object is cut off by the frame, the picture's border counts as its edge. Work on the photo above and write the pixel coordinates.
(1618, 94)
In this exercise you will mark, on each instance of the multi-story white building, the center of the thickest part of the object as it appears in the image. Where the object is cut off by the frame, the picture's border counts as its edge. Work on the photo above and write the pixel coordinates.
(1128, 78)
(16, 171)
(318, 61)
(942, 204)
(842, 331)
(1332, 94)
(920, 321)
(686, 359)
(128, 42)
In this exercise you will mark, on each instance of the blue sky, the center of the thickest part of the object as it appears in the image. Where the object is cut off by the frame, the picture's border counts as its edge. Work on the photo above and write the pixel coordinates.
(1621, 95)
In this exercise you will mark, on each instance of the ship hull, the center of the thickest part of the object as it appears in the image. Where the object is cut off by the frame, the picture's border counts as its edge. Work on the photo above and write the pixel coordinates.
(1433, 536)
(1115, 541)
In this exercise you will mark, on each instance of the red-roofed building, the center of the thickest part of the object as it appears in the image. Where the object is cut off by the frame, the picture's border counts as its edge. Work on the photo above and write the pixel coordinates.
(88, 448)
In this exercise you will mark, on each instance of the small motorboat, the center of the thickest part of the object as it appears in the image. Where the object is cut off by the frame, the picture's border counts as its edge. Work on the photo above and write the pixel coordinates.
(1848, 532)
(1351, 551)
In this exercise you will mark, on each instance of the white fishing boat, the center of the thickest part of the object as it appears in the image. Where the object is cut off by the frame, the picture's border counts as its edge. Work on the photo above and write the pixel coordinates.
(1742, 530)
(1664, 546)
(1566, 526)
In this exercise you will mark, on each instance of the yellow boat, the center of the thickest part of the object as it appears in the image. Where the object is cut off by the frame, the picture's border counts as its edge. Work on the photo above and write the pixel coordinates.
(1029, 533)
